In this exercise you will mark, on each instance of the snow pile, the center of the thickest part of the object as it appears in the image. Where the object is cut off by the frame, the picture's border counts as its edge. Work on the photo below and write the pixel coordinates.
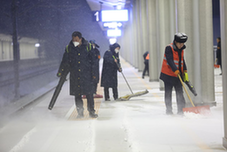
(203, 114)
(23, 141)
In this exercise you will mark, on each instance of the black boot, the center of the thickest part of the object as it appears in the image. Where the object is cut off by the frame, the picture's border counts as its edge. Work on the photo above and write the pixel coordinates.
(93, 115)
(80, 114)
(169, 112)
(180, 113)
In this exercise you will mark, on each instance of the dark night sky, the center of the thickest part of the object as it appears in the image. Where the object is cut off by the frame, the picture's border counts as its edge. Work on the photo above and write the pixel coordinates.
(53, 21)
(216, 21)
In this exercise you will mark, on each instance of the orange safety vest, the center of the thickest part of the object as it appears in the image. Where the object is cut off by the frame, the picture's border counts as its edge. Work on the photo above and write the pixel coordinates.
(147, 57)
(166, 69)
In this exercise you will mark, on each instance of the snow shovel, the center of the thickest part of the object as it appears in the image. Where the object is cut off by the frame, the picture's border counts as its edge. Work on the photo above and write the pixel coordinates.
(127, 97)
(193, 109)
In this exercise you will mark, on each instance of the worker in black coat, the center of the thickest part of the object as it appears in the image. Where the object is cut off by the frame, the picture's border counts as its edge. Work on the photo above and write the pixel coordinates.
(111, 65)
(218, 54)
(79, 59)
(97, 57)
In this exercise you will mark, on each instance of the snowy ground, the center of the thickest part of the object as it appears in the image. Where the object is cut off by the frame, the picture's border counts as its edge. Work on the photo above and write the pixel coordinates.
(137, 125)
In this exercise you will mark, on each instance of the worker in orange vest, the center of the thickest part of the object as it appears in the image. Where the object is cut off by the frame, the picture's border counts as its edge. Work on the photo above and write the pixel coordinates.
(146, 62)
(172, 65)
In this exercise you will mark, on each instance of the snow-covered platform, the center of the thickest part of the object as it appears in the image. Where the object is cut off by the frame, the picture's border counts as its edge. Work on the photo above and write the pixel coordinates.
(137, 125)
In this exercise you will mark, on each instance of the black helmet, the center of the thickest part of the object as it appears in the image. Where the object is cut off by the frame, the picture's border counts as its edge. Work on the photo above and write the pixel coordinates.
(180, 37)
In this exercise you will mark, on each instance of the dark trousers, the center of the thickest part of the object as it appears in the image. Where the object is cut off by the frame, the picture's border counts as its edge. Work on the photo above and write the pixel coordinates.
(146, 68)
(106, 93)
(95, 85)
(179, 96)
(90, 103)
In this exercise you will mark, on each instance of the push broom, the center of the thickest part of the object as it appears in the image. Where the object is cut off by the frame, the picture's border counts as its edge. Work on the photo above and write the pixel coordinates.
(194, 109)
(127, 97)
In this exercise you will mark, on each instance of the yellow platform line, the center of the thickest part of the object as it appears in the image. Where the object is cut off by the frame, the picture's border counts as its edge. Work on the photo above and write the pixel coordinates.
(97, 103)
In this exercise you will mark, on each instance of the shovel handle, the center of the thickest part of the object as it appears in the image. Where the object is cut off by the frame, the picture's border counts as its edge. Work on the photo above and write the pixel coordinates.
(185, 90)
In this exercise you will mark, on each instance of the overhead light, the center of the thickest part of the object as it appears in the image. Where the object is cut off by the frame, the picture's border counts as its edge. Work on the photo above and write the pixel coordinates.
(119, 6)
(112, 40)
(37, 45)
(114, 33)
(114, 15)
(112, 24)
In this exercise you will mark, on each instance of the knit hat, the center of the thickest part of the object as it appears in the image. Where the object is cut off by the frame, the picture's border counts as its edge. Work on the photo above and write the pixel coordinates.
(180, 37)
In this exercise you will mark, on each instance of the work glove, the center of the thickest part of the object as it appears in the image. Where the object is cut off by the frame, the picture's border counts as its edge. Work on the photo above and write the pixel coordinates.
(177, 72)
(187, 82)
(185, 77)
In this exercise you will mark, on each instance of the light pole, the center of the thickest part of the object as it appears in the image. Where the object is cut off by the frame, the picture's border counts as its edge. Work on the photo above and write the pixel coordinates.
(16, 52)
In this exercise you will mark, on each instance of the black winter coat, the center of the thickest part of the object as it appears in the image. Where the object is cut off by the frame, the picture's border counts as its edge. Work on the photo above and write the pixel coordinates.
(80, 63)
(218, 54)
(109, 70)
(96, 64)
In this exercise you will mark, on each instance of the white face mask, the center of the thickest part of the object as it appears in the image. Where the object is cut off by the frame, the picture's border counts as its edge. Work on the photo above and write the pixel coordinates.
(93, 46)
(116, 50)
(76, 44)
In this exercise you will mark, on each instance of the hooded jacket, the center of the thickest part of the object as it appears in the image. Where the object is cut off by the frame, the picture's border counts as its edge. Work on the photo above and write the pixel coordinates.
(110, 68)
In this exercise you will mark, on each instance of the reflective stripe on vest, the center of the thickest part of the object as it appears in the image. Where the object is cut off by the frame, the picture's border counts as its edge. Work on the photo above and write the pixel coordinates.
(166, 69)
(176, 62)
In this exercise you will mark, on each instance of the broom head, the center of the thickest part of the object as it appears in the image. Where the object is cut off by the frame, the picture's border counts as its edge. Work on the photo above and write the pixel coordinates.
(127, 97)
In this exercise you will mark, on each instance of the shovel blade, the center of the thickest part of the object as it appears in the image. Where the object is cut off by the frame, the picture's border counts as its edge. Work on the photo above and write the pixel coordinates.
(197, 110)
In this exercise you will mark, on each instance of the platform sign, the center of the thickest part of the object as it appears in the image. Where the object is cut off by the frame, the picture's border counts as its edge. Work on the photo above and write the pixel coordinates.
(114, 15)
(96, 16)
(113, 33)
(112, 25)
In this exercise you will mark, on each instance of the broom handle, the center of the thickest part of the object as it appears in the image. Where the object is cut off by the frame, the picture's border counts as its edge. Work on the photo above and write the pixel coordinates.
(186, 90)
(127, 82)
(123, 76)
